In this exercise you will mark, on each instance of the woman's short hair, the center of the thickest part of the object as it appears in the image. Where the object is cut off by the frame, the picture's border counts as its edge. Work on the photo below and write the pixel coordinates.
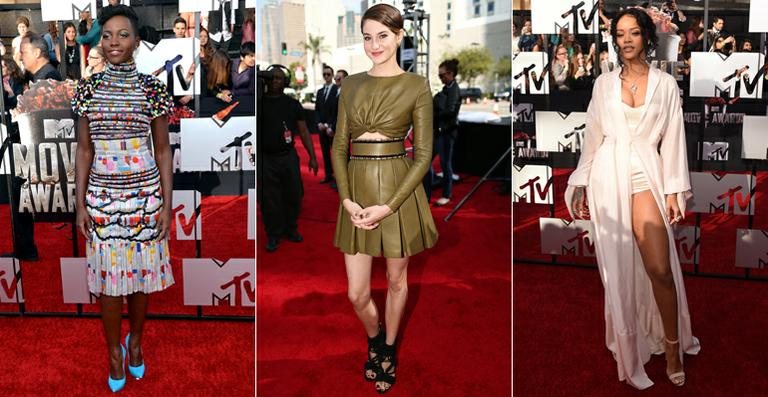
(110, 12)
(386, 15)
(647, 29)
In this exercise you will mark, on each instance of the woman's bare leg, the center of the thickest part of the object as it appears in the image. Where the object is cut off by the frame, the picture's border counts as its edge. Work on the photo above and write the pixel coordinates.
(137, 312)
(359, 291)
(111, 315)
(653, 242)
(397, 295)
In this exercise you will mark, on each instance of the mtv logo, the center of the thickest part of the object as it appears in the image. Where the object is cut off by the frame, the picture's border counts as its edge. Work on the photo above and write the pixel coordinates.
(550, 16)
(59, 128)
(751, 248)
(754, 137)
(530, 72)
(714, 151)
(523, 113)
(66, 10)
(210, 282)
(174, 56)
(10, 281)
(74, 281)
(687, 243)
(714, 75)
(186, 214)
(559, 132)
(533, 184)
(560, 237)
(208, 146)
(251, 214)
(723, 192)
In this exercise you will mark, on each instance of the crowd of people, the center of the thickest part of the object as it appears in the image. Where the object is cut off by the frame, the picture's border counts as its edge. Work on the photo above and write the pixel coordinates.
(573, 62)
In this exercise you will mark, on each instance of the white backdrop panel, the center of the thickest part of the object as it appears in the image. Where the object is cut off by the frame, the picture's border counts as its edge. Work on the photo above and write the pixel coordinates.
(561, 237)
(209, 282)
(533, 184)
(186, 215)
(721, 192)
(181, 52)
(560, 132)
(529, 66)
(713, 74)
(757, 16)
(751, 248)
(10, 281)
(206, 146)
(549, 16)
(66, 10)
(754, 137)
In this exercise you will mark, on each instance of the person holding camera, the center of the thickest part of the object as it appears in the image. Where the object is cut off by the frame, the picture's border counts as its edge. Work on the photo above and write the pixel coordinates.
(278, 176)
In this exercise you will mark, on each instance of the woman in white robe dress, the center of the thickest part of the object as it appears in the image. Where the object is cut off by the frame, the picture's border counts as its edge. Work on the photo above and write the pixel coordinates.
(630, 154)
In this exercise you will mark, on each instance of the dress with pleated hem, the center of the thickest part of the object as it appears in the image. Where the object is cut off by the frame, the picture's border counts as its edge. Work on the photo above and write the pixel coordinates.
(378, 172)
(125, 254)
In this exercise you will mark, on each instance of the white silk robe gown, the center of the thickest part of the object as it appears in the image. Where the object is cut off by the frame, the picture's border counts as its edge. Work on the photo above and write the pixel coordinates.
(633, 324)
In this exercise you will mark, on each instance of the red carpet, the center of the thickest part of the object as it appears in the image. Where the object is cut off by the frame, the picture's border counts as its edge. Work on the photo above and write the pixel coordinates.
(455, 340)
(559, 328)
(67, 357)
(559, 337)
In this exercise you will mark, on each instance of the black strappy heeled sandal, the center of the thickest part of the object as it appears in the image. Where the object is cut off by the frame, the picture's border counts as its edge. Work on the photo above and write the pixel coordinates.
(371, 367)
(385, 378)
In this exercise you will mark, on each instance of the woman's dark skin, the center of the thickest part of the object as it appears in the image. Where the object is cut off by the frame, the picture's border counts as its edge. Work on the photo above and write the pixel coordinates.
(120, 39)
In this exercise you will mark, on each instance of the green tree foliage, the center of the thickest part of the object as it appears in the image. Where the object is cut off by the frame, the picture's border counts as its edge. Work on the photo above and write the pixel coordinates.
(474, 61)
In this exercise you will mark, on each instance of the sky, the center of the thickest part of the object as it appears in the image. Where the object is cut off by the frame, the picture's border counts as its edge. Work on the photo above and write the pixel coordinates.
(353, 5)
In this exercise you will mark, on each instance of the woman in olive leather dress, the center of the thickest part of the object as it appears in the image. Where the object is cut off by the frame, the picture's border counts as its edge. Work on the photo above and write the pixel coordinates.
(384, 210)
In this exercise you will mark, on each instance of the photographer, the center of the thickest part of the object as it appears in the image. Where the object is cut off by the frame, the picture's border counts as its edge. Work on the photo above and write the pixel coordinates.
(278, 176)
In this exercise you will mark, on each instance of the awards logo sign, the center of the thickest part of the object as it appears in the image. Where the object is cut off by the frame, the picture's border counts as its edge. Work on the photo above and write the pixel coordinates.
(751, 251)
(45, 158)
(533, 184)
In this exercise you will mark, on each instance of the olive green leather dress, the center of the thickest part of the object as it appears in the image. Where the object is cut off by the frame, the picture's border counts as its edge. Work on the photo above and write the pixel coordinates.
(379, 172)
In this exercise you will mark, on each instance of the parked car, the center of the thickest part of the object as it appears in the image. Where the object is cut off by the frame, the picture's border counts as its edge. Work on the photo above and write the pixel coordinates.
(473, 93)
(503, 95)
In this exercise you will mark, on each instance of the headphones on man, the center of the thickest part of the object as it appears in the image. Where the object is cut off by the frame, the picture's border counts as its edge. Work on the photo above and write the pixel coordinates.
(285, 70)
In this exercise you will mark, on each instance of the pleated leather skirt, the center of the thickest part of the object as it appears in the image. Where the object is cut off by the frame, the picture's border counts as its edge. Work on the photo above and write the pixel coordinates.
(375, 170)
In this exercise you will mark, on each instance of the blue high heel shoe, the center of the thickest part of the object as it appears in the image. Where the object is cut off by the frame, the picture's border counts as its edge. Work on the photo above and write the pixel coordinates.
(117, 384)
(137, 371)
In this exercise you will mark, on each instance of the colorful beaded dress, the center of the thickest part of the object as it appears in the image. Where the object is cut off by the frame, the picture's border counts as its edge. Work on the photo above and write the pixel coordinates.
(124, 198)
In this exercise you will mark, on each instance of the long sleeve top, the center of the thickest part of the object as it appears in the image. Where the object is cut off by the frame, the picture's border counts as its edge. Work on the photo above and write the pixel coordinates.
(387, 105)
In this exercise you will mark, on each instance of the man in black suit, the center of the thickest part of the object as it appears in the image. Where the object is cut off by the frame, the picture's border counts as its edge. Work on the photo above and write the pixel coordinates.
(325, 103)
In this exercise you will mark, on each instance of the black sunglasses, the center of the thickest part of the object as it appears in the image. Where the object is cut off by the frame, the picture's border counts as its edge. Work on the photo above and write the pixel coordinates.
(327, 74)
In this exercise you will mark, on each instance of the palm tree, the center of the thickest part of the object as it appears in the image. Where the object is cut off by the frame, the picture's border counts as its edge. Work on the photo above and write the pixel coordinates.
(315, 45)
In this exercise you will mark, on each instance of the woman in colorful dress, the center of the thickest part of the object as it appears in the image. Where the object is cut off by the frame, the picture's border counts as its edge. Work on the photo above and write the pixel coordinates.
(384, 210)
(123, 192)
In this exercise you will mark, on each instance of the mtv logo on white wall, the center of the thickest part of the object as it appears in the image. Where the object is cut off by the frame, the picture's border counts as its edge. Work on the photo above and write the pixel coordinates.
(66, 10)
(10, 281)
(715, 75)
(530, 72)
(560, 132)
(578, 17)
(533, 184)
(751, 248)
(722, 192)
(562, 237)
(211, 282)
